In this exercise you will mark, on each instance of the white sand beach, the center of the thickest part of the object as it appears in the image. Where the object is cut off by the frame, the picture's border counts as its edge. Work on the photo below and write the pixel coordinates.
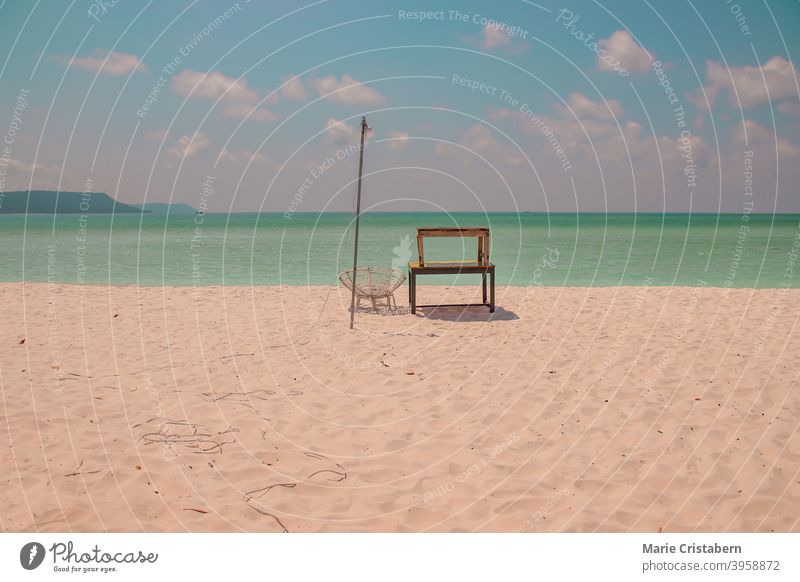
(253, 409)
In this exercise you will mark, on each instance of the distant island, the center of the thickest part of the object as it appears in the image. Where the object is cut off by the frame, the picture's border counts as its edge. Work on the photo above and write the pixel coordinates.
(167, 208)
(53, 202)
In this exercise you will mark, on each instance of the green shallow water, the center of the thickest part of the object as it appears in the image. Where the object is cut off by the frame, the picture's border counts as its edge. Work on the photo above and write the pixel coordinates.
(268, 249)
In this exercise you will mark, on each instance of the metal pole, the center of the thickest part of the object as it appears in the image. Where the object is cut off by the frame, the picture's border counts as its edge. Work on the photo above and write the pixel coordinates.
(358, 216)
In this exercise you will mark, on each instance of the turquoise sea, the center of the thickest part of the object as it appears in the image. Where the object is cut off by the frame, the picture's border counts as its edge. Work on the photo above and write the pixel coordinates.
(529, 248)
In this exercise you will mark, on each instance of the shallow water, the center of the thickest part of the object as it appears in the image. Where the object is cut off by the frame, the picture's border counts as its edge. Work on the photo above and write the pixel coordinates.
(269, 249)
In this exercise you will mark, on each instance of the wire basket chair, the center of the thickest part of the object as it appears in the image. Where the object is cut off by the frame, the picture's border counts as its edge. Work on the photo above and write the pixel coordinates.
(374, 283)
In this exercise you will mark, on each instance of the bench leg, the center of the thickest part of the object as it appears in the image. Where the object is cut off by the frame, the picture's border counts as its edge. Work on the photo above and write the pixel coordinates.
(491, 304)
(483, 285)
(413, 292)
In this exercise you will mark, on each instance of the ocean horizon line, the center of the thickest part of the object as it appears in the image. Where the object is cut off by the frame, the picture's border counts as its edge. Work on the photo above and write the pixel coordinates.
(536, 212)
(412, 212)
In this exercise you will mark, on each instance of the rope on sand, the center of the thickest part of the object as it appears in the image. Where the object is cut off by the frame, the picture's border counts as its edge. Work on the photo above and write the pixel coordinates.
(187, 434)
(256, 494)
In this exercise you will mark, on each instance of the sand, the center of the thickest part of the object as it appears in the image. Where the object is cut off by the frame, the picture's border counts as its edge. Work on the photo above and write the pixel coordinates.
(238, 409)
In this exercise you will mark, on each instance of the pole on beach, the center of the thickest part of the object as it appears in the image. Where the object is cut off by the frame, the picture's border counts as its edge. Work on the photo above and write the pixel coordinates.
(358, 216)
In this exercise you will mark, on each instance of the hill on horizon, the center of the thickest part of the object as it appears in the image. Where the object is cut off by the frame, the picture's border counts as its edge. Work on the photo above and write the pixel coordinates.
(56, 202)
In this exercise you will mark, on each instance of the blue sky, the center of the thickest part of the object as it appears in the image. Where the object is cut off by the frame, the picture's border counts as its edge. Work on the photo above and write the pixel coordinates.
(474, 105)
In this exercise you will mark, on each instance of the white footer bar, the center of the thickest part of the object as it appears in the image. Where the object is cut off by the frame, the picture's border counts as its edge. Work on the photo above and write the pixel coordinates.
(401, 557)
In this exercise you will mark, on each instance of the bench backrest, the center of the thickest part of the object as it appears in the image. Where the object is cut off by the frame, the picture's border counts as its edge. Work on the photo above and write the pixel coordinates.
(481, 233)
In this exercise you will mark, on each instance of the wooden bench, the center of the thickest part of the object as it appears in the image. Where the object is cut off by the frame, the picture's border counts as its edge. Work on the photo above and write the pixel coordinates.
(481, 266)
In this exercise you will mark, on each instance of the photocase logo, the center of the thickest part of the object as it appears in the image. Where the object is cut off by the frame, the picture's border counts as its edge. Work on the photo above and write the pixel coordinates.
(31, 555)
(402, 254)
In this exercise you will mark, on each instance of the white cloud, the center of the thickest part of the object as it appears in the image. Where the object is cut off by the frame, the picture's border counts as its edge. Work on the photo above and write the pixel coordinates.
(791, 108)
(43, 175)
(244, 156)
(213, 85)
(399, 140)
(253, 156)
(189, 145)
(751, 134)
(590, 135)
(22, 175)
(156, 134)
(584, 107)
(114, 64)
(479, 139)
(293, 88)
(569, 132)
(242, 110)
(273, 97)
(227, 155)
(622, 47)
(347, 91)
(494, 37)
(340, 132)
(773, 80)
(240, 100)
(673, 150)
